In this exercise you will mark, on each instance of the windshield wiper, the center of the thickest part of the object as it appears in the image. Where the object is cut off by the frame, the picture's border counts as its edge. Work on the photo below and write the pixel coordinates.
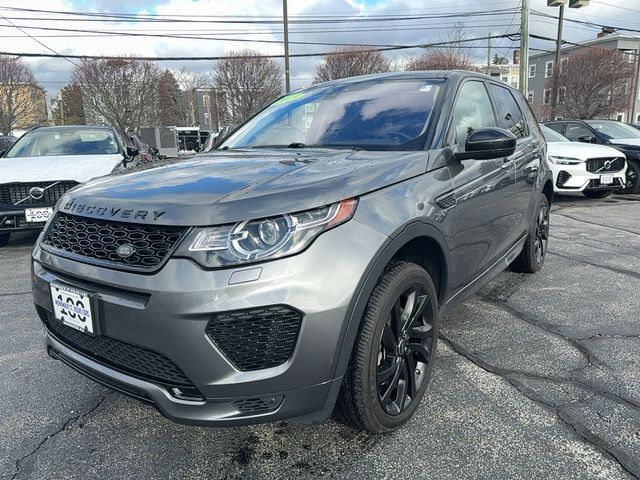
(296, 145)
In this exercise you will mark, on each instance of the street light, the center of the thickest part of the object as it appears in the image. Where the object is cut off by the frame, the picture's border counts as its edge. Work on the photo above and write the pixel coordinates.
(556, 63)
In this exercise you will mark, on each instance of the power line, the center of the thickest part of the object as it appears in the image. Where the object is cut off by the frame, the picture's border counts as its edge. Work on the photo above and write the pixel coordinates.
(213, 58)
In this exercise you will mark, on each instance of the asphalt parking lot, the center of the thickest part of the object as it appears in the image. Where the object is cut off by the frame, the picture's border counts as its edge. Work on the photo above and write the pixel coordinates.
(536, 377)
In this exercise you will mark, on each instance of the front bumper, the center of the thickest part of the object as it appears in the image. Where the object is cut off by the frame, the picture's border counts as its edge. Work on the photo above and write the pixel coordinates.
(169, 311)
(14, 220)
(576, 178)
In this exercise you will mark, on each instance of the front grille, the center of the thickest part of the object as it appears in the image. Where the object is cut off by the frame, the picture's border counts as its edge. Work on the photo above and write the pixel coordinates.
(100, 239)
(127, 358)
(256, 338)
(12, 193)
(597, 165)
(563, 177)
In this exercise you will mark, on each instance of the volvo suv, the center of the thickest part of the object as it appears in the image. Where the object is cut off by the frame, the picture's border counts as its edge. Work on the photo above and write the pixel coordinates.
(301, 267)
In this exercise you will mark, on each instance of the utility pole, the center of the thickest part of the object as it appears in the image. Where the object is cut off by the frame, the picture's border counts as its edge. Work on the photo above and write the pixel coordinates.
(524, 48)
(556, 65)
(489, 54)
(285, 17)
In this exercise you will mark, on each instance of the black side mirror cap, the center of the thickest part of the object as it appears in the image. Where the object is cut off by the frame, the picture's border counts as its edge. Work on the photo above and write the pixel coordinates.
(587, 139)
(488, 143)
(131, 152)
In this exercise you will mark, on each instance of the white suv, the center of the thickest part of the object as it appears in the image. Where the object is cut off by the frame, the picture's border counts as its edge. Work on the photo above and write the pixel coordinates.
(594, 170)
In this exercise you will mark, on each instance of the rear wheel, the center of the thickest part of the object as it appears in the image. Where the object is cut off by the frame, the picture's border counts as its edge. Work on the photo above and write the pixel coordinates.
(393, 355)
(632, 182)
(4, 238)
(597, 193)
(534, 251)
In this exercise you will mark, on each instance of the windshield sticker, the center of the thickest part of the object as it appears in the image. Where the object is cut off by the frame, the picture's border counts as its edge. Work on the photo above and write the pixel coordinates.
(426, 88)
(289, 98)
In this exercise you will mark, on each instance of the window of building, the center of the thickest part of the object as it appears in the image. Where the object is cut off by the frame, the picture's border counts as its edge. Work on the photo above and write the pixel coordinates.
(559, 118)
(546, 96)
(629, 56)
(564, 66)
(548, 69)
(206, 118)
(532, 71)
(620, 117)
(514, 84)
(637, 117)
(562, 93)
(530, 96)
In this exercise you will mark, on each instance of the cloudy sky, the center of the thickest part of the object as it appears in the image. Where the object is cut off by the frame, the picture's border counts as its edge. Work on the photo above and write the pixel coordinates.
(209, 20)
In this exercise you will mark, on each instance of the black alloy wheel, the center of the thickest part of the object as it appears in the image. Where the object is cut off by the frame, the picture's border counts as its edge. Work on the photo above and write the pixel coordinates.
(394, 351)
(405, 351)
(542, 233)
(632, 180)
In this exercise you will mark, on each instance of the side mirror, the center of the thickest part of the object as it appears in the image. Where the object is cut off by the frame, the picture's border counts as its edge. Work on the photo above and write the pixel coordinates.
(488, 143)
(131, 152)
(587, 139)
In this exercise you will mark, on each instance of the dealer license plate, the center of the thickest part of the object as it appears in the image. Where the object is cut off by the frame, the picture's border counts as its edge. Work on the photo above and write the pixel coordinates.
(606, 179)
(72, 307)
(36, 215)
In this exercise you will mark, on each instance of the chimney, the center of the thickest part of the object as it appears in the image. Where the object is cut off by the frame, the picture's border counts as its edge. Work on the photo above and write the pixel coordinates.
(516, 57)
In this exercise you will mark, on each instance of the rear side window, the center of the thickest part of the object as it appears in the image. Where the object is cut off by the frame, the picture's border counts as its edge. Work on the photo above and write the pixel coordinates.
(558, 127)
(510, 116)
(472, 111)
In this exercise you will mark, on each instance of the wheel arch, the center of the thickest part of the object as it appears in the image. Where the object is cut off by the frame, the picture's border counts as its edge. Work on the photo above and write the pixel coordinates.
(419, 242)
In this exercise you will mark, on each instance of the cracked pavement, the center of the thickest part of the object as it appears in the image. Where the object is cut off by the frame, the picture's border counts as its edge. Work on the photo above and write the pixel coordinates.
(537, 376)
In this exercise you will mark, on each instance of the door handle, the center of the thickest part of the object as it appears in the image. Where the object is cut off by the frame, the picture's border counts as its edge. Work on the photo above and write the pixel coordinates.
(506, 164)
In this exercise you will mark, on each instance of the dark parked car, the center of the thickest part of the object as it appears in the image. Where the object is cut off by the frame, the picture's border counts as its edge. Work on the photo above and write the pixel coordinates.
(616, 134)
(307, 262)
(5, 143)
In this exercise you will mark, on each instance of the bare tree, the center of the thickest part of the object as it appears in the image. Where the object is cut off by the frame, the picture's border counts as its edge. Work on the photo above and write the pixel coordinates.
(17, 89)
(594, 83)
(119, 92)
(189, 84)
(451, 54)
(249, 81)
(351, 61)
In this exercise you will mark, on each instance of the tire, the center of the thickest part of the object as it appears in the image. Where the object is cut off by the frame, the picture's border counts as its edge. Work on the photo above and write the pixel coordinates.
(633, 178)
(533, 253)
(4, 238)
(385, 381)
(597, 193)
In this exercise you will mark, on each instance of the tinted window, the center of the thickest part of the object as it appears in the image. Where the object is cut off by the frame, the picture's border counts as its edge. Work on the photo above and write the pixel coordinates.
(574, 131)
(558, 127)
(44, 142)
(374, 115)
(509, 114)
(472, 111)
(614, 129)
(551, 135)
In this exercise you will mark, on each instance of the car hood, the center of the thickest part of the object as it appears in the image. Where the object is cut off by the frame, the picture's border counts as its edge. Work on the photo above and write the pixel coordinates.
(581, 151)
(226, 187)
(634, 142)
(78, 168)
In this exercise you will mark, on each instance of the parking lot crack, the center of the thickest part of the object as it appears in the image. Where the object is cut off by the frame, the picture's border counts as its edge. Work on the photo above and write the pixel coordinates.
(579, 430)
(597, 265)
(12, 294)
(19, 462)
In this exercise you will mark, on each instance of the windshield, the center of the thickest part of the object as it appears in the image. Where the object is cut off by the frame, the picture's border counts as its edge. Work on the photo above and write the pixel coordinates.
(614, 130)
(550, 135)
(380, 115)
(45, 142)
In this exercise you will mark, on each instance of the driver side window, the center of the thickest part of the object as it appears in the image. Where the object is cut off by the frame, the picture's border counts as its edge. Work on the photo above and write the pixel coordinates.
(471, 111)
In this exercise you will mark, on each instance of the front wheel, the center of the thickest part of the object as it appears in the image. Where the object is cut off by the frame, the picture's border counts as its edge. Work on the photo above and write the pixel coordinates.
(533, 253)
(4, 238)
(597, 193)
(632, 181)
(394, 351)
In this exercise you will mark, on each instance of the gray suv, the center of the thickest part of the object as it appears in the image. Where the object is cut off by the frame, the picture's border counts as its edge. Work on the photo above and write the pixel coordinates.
(303, 266)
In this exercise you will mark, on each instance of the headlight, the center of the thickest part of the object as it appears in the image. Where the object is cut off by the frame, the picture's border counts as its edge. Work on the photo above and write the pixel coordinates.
(565, 160)
(264, 239)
